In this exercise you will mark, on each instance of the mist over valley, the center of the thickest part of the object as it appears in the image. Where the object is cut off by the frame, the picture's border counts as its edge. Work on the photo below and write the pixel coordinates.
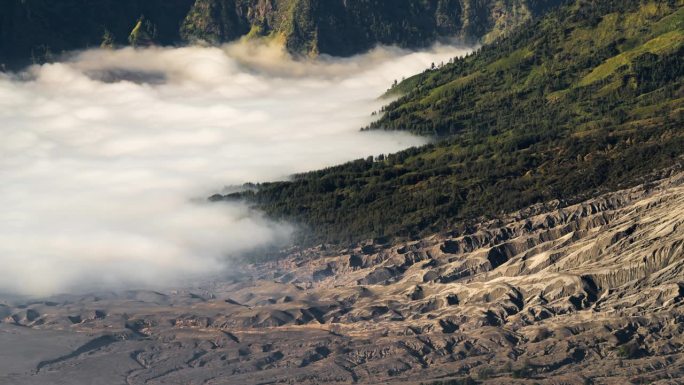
(108, 156)
(399, 192)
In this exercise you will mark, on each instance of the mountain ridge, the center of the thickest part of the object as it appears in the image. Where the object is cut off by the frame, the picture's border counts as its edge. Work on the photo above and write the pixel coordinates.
(40, 30)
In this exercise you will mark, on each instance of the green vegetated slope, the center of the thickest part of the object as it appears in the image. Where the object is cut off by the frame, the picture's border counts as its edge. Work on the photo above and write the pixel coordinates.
(587, 99)
(39, 29)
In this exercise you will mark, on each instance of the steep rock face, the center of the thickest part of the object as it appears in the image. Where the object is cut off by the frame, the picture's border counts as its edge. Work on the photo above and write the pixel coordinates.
(215, 21)
(37, 30)
(345, 27)
(588, 293)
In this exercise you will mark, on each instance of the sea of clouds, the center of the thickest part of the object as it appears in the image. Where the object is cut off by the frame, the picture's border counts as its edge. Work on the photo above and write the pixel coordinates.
(106, 158)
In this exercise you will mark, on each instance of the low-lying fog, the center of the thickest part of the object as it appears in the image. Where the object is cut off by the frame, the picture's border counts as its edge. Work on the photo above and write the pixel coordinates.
(106, 159)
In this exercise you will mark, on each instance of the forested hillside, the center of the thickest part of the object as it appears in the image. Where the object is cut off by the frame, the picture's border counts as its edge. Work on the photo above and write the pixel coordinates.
(589, 98)
(38, 30)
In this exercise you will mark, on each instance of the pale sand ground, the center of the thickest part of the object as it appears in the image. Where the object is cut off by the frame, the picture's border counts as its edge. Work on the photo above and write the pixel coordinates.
(589, 293)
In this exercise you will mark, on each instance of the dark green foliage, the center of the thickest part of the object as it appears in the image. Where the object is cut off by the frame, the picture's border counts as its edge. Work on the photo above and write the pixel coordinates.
(517, 75)
(512, 133)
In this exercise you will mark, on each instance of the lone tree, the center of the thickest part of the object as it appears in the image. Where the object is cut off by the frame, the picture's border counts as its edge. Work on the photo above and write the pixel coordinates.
(108, 39)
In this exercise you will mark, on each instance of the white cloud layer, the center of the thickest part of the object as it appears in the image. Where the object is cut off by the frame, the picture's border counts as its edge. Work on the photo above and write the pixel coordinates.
(106, 158)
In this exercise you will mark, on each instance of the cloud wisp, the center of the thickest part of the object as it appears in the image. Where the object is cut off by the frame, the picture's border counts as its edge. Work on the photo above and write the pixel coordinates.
(106, 157)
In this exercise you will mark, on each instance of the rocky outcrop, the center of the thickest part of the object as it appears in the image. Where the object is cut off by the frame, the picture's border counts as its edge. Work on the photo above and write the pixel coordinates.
(346, 27)
(590, 293)
(216, 21)
(39, 30)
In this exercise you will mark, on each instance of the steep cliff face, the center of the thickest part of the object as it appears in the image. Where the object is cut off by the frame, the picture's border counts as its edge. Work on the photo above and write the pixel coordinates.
(215, 21)
(345, 27)
(37, 30)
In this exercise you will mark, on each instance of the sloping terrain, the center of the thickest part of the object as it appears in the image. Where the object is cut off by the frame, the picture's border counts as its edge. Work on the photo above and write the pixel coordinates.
(539, 241)
(586, 100)
(589, 293)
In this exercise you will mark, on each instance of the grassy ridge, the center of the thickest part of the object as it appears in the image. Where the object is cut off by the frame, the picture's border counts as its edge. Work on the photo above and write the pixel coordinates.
(587, 99)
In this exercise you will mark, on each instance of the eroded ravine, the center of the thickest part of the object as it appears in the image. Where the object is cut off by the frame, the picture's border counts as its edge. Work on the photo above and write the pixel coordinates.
(590, 293)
